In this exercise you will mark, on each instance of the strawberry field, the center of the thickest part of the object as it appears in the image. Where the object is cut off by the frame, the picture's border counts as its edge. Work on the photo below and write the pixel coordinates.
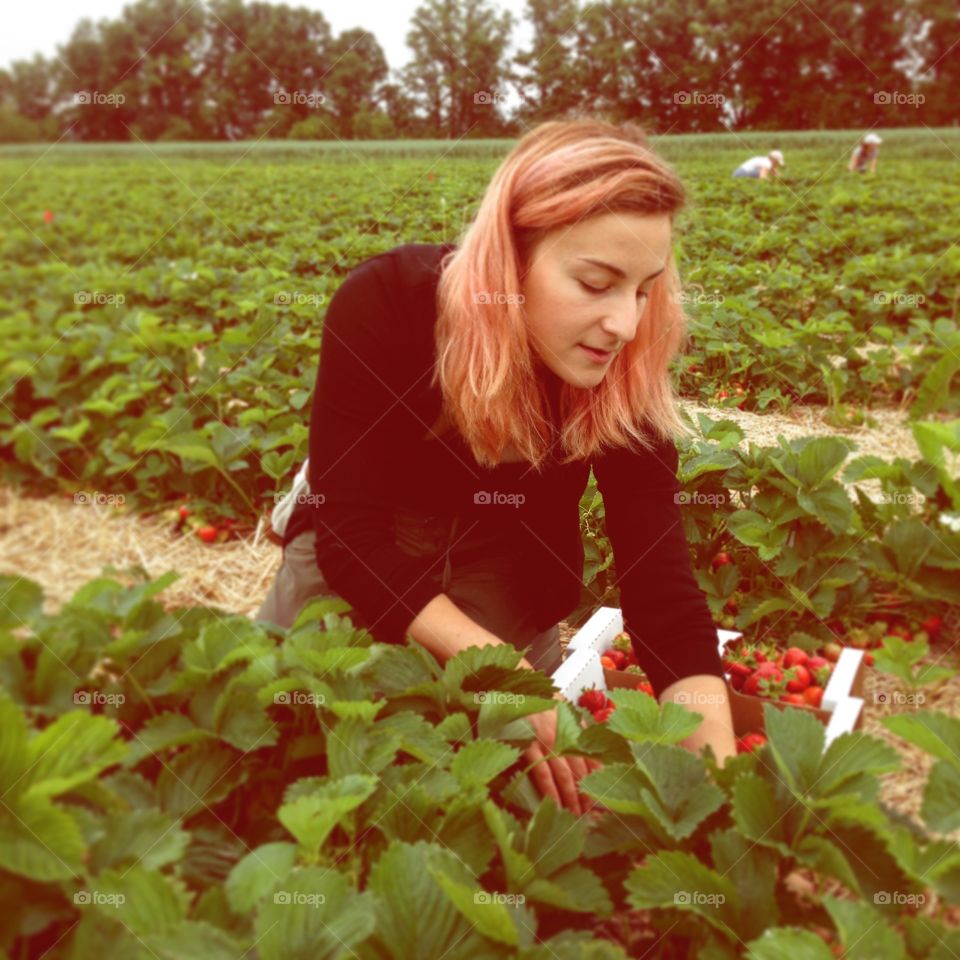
(172, 780)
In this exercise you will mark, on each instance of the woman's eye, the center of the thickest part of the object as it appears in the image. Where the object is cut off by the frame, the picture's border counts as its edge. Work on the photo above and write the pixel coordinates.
(586, 286)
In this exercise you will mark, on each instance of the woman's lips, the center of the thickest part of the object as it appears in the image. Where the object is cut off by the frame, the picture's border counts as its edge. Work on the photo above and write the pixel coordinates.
(596, 355)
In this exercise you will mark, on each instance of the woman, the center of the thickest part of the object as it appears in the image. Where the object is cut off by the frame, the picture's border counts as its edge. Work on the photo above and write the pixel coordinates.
(864, 156)
(463, 394)
(761, 168)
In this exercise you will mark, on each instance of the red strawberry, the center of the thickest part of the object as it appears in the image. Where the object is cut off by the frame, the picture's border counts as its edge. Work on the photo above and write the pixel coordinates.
(800, 679)
(618, 657)
(933, 625)
(592, 699)
(184, 513)
(820, 669)
(750, 741)
(794, 656)
(762, 681)
(601, 716)
(721, 559)
(607, 663)
(813, 696)
(207, 534)
(48, 216)
(794, 698)
(868, 659)
(645, 686)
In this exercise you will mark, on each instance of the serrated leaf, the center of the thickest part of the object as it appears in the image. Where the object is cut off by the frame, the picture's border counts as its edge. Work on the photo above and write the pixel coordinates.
(258, 874)
(40, 840)
(145, 902)
(145, 836)
(477, 763)
(311, 818)
(779, 942)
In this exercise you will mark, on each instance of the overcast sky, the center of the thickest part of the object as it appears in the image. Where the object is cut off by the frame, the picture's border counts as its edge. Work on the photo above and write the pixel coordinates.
(39, 26)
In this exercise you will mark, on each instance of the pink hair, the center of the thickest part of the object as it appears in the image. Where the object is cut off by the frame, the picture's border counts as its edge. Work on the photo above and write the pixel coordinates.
(559, 173)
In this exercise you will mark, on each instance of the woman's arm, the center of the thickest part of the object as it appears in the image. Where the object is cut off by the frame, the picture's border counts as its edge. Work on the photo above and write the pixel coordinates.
(444, 629)
(707, 695)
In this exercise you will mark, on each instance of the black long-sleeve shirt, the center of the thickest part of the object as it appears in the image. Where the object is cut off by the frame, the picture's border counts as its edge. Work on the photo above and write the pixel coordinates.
(371, 408)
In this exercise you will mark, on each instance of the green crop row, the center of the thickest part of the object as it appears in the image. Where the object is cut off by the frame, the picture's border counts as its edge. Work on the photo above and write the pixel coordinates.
(184, 784)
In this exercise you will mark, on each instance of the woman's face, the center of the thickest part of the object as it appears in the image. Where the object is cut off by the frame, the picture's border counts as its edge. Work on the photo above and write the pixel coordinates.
(587, 286)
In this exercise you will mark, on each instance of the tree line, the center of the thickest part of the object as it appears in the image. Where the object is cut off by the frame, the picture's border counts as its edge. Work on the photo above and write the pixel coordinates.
(230, 70)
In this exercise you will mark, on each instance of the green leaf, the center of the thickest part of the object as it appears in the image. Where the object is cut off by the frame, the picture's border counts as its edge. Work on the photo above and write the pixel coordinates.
(145, 836)
(757, 814)
(316, 915)
(795, 740)
(640, 718)
(425, 905)
(941, 798)
(258, 874)
(14, 749)
(850, 756)
(554, 838)
(863, 931)
(75, 748)
(477, 763)
(40, 840)
(22, 602)
(311, 818)
(679, 881)
(575, 888)
(779, 942)
(820, 459)
(144, 901)
(933, 731)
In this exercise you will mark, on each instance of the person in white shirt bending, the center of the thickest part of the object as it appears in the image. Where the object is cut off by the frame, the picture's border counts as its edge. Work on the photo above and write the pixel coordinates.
(864, 156)
(761, 168)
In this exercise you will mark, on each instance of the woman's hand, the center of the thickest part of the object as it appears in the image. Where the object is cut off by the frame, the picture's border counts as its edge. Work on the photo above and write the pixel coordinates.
(559, 776)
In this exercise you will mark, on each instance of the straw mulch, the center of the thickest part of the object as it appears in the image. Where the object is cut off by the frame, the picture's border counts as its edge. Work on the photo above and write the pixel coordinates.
(62, 546)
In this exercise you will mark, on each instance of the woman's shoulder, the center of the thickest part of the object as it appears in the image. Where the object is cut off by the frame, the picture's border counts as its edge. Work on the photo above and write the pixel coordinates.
(413, 264)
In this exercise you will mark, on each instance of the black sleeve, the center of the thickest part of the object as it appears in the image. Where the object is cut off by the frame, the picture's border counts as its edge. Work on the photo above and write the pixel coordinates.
(664, 610)
(358, 441)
